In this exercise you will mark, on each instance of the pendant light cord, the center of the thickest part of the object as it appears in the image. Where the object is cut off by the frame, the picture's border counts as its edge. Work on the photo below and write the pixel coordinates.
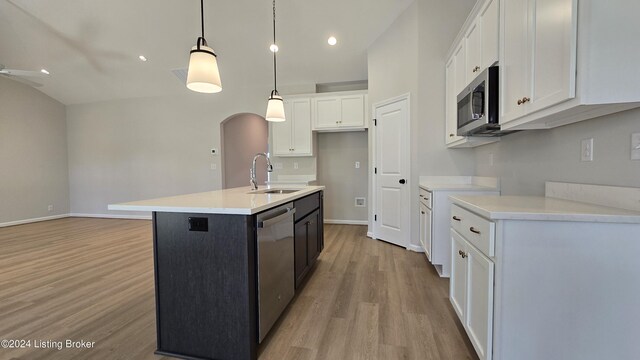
(275, 77)
(202, 16)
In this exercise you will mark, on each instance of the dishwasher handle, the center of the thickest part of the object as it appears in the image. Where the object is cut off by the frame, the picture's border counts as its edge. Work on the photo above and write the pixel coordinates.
(276, 219)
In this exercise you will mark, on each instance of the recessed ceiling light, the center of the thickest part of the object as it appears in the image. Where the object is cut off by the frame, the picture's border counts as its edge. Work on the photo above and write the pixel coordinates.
(332, 41)
(142, 58)
(273, 48)
(44, 71)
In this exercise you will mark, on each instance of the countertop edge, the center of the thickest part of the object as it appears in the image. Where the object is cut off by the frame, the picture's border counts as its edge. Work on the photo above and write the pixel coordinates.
(560, 217)
(212, 210)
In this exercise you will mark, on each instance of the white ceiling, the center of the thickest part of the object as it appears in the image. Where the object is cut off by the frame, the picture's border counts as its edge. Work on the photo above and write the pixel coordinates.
(91, 47)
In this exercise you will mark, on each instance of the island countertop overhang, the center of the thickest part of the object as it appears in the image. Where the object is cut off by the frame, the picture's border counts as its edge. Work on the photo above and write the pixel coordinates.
(235, 201)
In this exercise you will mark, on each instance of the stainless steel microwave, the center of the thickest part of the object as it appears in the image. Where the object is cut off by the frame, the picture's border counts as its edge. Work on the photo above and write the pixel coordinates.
(478, 106)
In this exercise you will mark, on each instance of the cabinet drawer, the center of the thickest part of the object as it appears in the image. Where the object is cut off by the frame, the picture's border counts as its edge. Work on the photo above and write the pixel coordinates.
(479, 231)
(425, 197)
(306, 205)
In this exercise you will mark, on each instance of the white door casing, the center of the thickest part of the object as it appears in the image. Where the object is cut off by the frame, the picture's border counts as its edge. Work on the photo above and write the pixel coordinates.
(392, 158)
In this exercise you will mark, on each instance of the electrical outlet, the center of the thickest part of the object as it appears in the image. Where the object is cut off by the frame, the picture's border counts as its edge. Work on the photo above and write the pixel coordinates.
(361, 202)
(587, 150)
(214, 166)
(635, 146)
(50, 208)
(357, 164)
(295, 165)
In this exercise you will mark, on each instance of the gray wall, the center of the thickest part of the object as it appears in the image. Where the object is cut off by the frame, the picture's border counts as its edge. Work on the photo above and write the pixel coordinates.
(524, 161)
(33, 154)
(243, 136)
(337, 154)
(409, 58)
(135, 149)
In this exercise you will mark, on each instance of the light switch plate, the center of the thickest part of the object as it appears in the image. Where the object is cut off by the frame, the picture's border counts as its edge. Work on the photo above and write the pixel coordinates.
(635, 146)
(295, 165)
(357, 164)
(587, 150)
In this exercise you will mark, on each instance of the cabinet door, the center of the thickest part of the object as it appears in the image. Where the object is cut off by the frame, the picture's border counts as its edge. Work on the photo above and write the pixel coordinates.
(423, 217)
(301, 127)
(327, 111)
(352, 111)
(479, 311)
(458, 281)
(473, 41)
(313, 236)
(451, 103)
(281, 132)
(490, 25)
(461, 69)
(300, 250)
(553, 53)
(514, 64)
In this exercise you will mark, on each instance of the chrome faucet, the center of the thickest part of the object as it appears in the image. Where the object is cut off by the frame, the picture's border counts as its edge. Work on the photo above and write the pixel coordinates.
(254, 184)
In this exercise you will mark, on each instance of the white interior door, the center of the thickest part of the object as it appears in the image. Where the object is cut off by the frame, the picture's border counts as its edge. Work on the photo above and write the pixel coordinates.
(391, 222)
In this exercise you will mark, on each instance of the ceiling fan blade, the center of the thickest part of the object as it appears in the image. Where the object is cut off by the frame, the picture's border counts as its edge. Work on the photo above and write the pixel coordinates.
(22, 73)
(21, 80)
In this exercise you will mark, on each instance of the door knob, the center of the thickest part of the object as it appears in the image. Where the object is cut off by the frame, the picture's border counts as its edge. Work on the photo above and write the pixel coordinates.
(402, 181)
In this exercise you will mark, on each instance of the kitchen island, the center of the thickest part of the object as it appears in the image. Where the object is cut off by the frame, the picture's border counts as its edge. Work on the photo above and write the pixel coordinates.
(227, 263)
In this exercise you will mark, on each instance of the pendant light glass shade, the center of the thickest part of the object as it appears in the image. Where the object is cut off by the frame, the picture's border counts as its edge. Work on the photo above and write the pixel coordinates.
(203, 75)
(275, 108)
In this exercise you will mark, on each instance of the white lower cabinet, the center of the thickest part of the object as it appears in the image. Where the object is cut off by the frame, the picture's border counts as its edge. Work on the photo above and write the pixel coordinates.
(425, 229)
(531, 284)
(471, 293)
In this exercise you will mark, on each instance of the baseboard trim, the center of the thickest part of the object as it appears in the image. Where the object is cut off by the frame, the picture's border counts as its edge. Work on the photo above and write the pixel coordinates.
(33, 220)
(416, 248)
(346, 222)
(112, 216)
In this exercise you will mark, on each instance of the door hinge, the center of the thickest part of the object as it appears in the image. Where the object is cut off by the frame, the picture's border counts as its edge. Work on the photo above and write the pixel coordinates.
(375, 217)
(375, 122)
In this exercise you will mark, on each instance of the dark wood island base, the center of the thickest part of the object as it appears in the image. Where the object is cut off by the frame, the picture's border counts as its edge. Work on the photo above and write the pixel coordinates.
(206, 279)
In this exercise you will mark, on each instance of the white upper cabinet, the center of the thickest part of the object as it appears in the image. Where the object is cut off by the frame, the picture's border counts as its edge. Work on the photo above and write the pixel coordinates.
(293, 137)
(461, 69)
(564, 61)
(451, 103)
(340, 112)
(474, 51)
(490, 25)
(539, 55)
(473, 42)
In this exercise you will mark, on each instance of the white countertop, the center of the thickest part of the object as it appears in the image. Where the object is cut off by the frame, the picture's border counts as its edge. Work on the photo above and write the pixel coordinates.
(235, 201)
(455, 187)
(538, 208)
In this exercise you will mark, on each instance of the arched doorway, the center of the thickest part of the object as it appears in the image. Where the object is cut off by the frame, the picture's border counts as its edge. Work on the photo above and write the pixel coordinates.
(242, 136)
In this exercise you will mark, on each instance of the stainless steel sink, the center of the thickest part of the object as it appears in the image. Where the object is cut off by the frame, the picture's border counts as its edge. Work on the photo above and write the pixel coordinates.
(274, 191)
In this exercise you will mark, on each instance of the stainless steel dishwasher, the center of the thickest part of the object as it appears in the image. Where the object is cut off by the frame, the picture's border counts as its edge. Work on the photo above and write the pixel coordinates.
(275, 265)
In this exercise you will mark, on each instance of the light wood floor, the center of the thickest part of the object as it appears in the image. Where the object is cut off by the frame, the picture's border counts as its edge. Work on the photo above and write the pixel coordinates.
(92, 280)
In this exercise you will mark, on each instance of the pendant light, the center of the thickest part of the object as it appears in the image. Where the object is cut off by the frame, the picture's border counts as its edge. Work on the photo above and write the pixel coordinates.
(275, 106)
(203, 75)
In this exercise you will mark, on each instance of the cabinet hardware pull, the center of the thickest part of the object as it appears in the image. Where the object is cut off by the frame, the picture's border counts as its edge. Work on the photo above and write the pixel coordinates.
(460, 252)
(473, 230)
(525, 99)
(464, 255)
(451, 135)
(520, 102)
(475, 69)
(422, 212)
(457, 218)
